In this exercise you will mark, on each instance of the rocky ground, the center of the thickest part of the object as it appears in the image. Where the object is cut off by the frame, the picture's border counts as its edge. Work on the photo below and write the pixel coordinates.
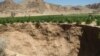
(27, 39)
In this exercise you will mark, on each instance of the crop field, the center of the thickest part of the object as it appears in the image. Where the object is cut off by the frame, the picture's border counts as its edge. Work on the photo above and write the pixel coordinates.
(53, 18)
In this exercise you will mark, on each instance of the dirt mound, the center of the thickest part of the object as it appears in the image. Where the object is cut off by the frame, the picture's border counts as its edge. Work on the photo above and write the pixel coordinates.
(49, 40)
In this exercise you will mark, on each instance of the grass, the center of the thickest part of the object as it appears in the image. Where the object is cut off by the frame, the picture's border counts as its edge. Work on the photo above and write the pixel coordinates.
(52, 18)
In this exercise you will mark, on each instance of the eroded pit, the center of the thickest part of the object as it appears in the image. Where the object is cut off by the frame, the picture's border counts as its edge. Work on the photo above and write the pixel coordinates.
(27, 39)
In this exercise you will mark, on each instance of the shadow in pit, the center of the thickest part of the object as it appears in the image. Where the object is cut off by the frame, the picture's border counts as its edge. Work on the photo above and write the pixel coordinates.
(90, 42)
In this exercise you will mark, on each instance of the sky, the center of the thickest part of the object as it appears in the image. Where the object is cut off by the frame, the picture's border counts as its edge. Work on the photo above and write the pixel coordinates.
(69, 2)
(73, 2)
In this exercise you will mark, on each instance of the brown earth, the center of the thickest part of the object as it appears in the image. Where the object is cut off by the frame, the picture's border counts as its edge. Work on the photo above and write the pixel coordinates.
(45, 39)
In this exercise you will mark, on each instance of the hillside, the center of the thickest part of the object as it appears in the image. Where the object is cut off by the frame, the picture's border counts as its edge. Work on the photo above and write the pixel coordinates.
(39, 7)
(94, 6)
(29, 4)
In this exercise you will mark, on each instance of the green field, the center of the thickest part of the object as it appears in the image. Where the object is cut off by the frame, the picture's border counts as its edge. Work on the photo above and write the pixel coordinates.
(53, 18)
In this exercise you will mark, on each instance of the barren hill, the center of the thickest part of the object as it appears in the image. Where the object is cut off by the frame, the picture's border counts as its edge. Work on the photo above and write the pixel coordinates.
(29, 7)
(94, 6)
(38, 5)
(8, 5)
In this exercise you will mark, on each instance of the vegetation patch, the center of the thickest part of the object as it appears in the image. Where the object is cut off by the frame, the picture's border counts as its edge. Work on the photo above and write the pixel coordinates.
(53, 18)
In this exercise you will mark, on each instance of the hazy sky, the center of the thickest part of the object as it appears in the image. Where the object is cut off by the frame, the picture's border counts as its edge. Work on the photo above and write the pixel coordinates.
(70, 2)
(73, 2)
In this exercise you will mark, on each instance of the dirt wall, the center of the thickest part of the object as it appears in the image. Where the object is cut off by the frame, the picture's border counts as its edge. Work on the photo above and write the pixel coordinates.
(45, 39)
